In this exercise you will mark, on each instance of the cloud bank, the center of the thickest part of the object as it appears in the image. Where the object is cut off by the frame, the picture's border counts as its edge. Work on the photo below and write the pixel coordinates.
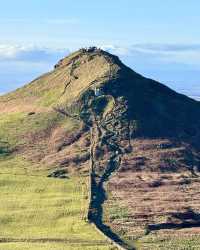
(154, 48)
(30, 53)
(21, 64)
(156, 54)
(165, 53)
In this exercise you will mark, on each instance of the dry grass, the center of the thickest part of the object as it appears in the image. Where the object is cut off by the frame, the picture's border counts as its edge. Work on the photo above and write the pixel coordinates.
(146, 195)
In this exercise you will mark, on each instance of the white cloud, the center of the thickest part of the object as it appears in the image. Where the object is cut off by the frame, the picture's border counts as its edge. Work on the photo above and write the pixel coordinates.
(30, 53)
(139, 53)
(120, 51)
(187, 54)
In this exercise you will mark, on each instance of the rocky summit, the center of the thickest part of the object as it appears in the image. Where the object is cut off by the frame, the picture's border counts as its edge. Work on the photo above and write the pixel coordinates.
(135, 139)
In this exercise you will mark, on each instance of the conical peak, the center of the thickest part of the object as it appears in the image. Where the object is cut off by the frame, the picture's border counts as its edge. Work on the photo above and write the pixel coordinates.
(85, 54)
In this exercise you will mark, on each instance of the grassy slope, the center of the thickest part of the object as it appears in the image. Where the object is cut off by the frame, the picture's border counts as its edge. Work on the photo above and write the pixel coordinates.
(34, 206)
(37, 207)
(48, 90)
(49, 246)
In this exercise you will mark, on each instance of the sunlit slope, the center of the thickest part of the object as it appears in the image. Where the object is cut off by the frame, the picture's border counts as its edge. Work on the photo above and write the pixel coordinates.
(37, 212)
(76, 72)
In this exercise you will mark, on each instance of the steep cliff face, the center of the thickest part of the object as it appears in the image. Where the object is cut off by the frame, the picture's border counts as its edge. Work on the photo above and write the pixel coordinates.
(138, 140)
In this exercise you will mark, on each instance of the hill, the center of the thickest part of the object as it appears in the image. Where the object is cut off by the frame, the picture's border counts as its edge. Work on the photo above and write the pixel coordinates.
(134, 139)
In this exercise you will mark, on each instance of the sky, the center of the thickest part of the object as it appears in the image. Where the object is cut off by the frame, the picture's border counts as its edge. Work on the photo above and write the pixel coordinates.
(159, 39)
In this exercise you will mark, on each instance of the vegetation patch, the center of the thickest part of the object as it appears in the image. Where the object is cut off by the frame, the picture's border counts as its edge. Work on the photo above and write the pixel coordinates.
(103, 105)
(43, 213)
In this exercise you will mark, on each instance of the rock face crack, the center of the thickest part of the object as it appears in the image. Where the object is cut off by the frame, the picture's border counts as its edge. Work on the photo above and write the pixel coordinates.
(72, 77)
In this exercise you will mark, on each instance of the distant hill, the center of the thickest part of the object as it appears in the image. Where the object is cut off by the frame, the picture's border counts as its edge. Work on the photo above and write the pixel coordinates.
(137, 139)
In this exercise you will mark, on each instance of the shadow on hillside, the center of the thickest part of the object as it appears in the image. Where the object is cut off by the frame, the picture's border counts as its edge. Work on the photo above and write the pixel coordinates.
(183, 220)
(4, 148)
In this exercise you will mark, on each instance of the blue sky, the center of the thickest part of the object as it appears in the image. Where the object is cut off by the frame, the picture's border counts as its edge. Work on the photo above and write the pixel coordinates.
(159, 39)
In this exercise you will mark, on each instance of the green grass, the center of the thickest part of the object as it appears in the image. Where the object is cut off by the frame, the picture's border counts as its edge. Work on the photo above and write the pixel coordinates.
(14, 127)
(34, 207)
(158, 242)
(103, 105)
(51, 97)
(44, 91)
(49, 246)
